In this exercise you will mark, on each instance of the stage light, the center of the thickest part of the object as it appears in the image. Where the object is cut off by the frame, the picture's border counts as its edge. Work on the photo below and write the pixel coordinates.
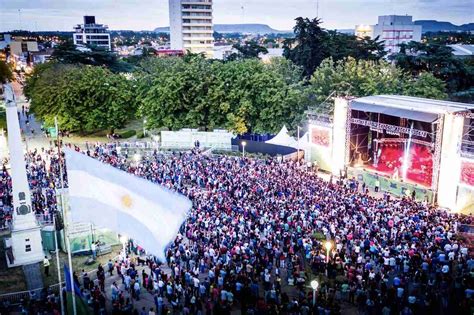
(450, 163)
(339, 135)
(314, 284)
(328, 245)
(137, 157)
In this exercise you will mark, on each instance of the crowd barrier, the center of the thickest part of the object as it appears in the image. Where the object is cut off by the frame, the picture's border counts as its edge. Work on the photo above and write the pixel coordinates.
(16, 298)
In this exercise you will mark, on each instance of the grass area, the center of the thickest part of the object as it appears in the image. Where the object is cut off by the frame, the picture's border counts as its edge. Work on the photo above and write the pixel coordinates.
(131, 129)
(78, 263)
(12, 280)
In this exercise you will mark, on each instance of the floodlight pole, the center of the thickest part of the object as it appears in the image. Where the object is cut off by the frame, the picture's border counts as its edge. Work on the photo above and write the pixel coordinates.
(66, 223)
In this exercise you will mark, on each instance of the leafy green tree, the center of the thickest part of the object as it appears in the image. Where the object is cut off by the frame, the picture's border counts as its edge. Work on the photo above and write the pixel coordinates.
(67, 53)
(5, 72)
(312, 44)
(350, 77)
(426, 85)
(309, 47)
(84, 98)
(173, 92)
(344, 45)
(244, 95)
(249, 50)
(439, 60)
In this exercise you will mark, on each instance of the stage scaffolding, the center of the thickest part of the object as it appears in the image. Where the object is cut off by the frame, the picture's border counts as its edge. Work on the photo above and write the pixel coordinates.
(467, 142)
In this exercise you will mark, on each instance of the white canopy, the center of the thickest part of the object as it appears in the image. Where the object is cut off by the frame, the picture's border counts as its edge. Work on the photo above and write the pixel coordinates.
(284, 139)
(304, 140)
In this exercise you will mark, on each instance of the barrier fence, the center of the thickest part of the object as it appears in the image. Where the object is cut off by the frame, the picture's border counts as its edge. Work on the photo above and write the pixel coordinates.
(16, 298)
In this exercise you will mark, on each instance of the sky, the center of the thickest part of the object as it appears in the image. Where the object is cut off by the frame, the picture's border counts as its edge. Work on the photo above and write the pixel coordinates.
(52, 15)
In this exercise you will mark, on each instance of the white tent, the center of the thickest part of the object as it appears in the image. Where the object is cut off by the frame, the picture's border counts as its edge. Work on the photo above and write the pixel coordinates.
(284, 139)
(303, 142)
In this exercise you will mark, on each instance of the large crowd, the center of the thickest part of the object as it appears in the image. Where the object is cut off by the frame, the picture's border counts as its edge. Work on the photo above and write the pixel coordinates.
(256, 237)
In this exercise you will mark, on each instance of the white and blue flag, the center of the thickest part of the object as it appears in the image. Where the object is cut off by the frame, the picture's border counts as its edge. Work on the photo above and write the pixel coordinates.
(146, 212)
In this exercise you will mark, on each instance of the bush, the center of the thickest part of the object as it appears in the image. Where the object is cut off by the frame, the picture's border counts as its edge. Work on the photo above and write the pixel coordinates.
(140, 134)
(319, 236)
(127, 134)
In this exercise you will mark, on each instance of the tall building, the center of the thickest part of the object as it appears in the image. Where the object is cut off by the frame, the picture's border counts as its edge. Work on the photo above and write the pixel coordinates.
(393, 30)
(191, 26)
(91, 33)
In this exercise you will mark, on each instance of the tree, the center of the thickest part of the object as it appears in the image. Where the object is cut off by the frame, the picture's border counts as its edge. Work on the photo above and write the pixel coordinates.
(426, 85)
(5, 72)
(249, 50)
(67, 53)
(312, 44)
(309, 47)
(344, 45)
(83, 98)
(437, 59)
(350, 77)
(244, 95)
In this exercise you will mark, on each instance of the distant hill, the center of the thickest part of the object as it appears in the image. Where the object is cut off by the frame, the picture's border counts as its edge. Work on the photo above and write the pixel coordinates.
(440, 26)
(428, 26)
(236, 28)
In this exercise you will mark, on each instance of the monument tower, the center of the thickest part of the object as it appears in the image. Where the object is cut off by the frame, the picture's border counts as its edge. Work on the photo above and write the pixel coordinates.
(24, 247)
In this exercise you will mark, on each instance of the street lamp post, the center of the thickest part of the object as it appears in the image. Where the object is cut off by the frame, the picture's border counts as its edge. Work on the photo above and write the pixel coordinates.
(328, 246)
(123, 240)
(298, 139)
(314, 286)
(144, 126)
(243, 148)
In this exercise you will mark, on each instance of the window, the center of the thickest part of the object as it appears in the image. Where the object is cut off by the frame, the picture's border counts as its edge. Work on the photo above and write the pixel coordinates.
(28, 248)
(27, 239)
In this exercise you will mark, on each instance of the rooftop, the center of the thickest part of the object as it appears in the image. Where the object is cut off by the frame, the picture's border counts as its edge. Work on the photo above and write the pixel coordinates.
(415, 108)
(462, 50)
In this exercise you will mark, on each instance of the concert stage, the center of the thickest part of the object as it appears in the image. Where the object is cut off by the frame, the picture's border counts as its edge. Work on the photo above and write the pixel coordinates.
(407, 143)
(387, 184)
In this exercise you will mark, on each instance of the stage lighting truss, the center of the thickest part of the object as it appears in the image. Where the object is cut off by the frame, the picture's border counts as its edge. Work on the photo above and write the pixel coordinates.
(390, 129)
(437, 153)
(467, 142)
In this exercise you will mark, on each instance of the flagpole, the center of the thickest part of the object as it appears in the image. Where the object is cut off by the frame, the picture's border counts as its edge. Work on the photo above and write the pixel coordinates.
(58, 265)
(66, 221)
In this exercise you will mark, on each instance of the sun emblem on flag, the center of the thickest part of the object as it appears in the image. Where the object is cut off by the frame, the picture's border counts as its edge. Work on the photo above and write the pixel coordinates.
(127, 201)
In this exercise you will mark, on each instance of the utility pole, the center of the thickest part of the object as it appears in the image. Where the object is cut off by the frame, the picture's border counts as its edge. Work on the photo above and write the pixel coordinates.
(19, 18)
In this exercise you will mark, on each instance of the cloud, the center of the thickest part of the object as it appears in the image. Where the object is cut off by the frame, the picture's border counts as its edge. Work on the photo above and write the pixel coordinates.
(280, 14)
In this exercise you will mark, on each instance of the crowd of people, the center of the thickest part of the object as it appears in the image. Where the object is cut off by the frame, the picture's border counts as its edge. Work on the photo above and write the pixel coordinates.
(256, 235)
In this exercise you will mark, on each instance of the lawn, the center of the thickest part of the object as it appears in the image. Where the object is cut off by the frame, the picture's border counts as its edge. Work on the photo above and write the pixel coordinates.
(13, 280)
(78, 264)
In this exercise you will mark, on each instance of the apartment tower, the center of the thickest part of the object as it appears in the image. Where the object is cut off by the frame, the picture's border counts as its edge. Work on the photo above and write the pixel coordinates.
(191, 26)
(394, 30)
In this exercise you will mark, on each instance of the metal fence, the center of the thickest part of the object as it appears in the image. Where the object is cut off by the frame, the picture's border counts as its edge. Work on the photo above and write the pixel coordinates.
(16, 298)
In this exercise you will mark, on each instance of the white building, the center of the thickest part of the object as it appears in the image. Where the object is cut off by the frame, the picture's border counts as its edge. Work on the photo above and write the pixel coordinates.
(393, 30)
(92, 34)
(191, 26)
(462, 51)
(5, 40)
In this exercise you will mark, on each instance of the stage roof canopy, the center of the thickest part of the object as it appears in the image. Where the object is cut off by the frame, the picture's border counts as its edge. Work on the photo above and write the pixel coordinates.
(409, 107)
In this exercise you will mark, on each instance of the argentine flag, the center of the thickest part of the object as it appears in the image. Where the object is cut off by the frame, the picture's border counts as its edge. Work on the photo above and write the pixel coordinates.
(146, 212)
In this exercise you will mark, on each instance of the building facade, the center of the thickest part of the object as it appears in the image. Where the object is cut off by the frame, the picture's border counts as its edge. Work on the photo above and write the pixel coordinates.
(394, 30)
(22, 47)
(191, 26)
(91, 33)
(5, 40)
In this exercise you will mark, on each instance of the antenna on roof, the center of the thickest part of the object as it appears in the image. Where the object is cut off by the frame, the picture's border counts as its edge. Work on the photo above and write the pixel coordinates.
(19, 18)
